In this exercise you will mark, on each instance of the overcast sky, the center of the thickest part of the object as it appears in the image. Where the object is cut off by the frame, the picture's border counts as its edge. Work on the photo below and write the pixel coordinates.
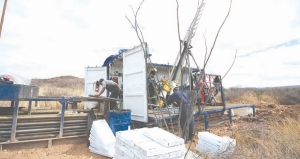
(48, 38)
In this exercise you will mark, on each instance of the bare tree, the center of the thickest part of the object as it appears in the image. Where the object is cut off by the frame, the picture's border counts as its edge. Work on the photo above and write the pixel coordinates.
(141, 39)
(217, 36)
(231, 65)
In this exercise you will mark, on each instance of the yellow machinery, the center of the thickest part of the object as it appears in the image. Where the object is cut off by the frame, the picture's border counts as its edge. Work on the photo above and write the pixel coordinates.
(180, 62)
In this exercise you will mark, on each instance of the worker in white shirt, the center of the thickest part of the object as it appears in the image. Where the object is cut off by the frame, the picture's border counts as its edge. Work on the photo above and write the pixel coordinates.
(111, 87)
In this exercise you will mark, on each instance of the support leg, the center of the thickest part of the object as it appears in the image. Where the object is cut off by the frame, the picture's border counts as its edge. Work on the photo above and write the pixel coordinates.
(36, 103)
(49, 143)
(254, 112)
(206, 121)
(0, 148)
(29, 107)
(74, 105)
(98, 107)
(62, 119)
(230, 115)
(14, 123)
(12, 103)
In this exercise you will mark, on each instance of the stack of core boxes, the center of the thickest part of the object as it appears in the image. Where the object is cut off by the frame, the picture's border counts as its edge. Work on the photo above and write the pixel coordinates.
(148, 143)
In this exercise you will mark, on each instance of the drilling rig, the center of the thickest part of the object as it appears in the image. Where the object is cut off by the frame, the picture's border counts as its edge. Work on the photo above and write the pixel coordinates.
(207, 85)
(180, 62)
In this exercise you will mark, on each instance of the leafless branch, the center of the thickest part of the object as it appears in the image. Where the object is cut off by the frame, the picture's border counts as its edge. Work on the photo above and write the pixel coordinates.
(2, 17)
(178, 24)
(139, 8)
(129, 21)
(137, 33)
(205, 50)
(136, 25)
(231, 65)
(217, 35)
(141, 39)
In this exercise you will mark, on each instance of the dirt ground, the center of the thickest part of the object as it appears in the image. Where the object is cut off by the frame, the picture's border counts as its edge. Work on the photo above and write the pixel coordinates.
(218, 124)
(75, 148)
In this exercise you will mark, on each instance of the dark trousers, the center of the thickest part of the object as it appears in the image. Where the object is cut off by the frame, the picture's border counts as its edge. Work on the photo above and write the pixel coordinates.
(184, 118)
(152, 94)
(114, 94)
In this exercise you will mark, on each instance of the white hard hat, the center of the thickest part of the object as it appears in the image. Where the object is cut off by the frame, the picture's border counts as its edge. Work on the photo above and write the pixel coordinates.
(153, 69)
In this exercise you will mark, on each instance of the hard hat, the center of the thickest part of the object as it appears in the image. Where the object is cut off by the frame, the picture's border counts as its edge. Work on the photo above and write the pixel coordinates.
(154, 69)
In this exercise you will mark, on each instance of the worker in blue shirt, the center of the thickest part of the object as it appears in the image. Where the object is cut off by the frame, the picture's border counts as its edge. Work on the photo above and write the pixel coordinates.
(175, 98)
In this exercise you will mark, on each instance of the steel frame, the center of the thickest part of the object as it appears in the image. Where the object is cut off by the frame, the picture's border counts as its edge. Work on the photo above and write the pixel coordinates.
(206, 113)
(63, 101)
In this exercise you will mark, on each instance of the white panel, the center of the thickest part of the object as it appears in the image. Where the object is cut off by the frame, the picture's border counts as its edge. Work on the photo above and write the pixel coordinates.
(93, 74)
(134, 84)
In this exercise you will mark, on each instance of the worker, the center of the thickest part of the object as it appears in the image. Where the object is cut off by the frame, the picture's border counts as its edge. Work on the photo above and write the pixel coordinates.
(151, 84)
(111, 87)
(175, 98)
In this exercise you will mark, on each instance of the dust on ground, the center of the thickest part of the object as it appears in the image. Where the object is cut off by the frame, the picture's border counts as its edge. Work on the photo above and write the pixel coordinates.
(218, 124)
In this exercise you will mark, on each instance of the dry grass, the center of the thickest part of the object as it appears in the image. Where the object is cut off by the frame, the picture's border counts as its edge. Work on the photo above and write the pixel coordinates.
(65, 86)
(284, 96)
(276, 140)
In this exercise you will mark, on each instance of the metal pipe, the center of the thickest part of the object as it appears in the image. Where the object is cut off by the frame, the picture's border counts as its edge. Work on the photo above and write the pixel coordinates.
(37, 130)
(37, 136)
(51, 122)
(6, 129)
(5, 125)
(74, 130)
(4, 139)
(50, 135)
(50, 132)
(75, 127)
(50, 129)
(4, 136)
(5, 132)
(45, 129)
(49, 125)
(37, 133)
(37, 127)
(48, 116)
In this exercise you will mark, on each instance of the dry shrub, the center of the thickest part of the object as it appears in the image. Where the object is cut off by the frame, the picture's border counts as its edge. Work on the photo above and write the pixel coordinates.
(64, 86)
(8, 103)
(278, 140)
(283, 96)
(234, 93)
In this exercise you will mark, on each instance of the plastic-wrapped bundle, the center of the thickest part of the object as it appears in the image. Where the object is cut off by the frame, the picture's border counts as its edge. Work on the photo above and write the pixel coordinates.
(102, 140)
